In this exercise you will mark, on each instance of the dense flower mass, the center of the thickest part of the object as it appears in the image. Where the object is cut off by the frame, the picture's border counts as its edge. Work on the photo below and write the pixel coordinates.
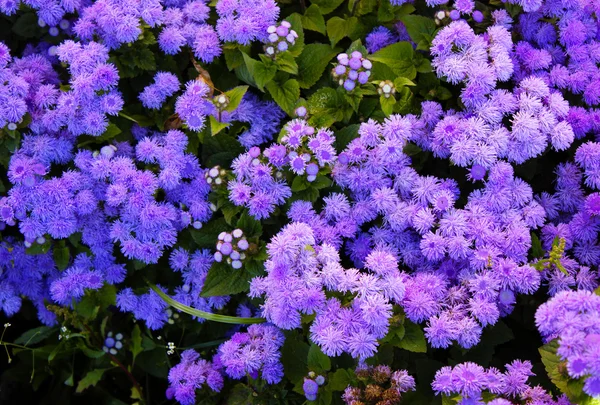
(390, 196)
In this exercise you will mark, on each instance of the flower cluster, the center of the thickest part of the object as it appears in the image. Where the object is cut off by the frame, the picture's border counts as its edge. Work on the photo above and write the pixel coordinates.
(191, 374)
(572, 318)
(352, 69)
(254, 353)
(298, 274)
(245, 21)
(231, 247)
(193, 106)
(280, 38)
(258, 185)
(307, 150)
(381, 385)
(382, 36)
(185, 24)
(471, 381)
(165, 85)
(25, 276)
(311, 385)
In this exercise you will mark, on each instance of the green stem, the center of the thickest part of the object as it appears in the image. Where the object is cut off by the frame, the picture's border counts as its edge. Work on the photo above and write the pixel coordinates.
(202, 314)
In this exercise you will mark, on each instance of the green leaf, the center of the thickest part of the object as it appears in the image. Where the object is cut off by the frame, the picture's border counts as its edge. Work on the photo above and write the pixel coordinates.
(206, 236)
(414, 339)
(111, 131)
(296, 21)
(90, 379)
(537, 251)
(235, 96)
(553, 365)
(234, 55)
(317, 360)
(299, 184)
(313, 19)
(321, 182)
(398, 57)
(327, 6)
(286, 95)
(294, 355)
(261, 72)
(387, 104)
(312, 62)
(419, 28)
(223, 279)
(344, 136)
(251, 227)
(402, 81)
(240, 394)
(287, 63)
(136, 341)
(338, 28)
(26, 25)
(324, 108)
(339, 380)
(35, 335)
(88, 351)
(61, 257)
(220, 150)
(216, 126)
(206, 315)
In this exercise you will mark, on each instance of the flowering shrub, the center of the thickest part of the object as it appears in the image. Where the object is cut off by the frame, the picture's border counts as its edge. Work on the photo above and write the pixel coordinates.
(300, 202)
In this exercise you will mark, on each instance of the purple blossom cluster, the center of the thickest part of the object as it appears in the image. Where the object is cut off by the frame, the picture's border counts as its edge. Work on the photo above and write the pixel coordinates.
(244, 21)
(191, 374)
(116, 21)
(468, 263)
(572, 318)
(154, 95)
(280, 38)
(231, 248)
(193, 106)
(254, 353)
(26, 276)
(185, 24)
(108, 199)
(299, 272)
(382, 36)
(351, 69)
(263, 119)
(307, 150)
(258, 185)
(471, 381)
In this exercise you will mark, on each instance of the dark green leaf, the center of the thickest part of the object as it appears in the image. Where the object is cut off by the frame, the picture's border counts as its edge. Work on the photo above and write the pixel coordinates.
(317, 360)
(287, 63)
(327, 6)
(61, 257)
(88, 351)
(36, 335)
(300, 183)
(339, 380)
(251, 227)
(261, 72)
(398, 57)
(223, 279)
(296, 21)
(90, 379)
(344, 136)
(313, 19)
(286, 95)
(414, 339)
(136, 341)
(419, 28)
(206, 237)
(26, 25)
(338, 28)
(294, 355)
(312, 63)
